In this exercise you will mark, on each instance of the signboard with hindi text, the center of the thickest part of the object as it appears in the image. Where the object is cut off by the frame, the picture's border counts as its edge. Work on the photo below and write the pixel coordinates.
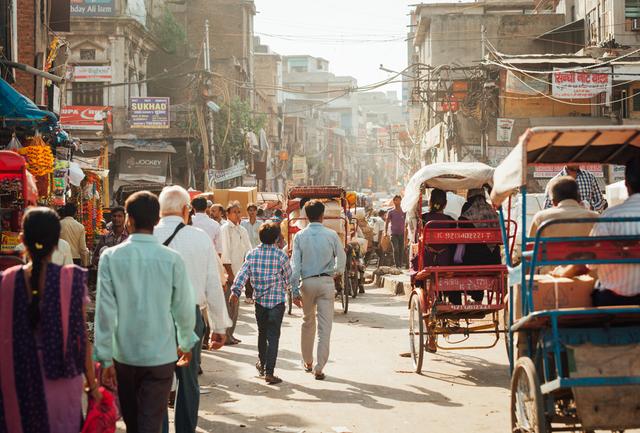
(581, 84)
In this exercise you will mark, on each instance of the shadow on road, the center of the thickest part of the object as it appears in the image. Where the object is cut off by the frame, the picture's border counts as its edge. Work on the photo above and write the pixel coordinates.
(474, 371)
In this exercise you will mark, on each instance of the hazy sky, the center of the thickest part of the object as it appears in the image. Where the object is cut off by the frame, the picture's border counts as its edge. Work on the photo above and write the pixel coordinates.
(356, 36)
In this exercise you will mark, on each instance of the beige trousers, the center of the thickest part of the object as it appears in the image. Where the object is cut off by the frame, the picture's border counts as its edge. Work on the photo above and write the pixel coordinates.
(318, 295)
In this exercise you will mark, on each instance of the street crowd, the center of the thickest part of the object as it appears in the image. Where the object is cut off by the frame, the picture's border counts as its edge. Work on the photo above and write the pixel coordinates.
(170, 275)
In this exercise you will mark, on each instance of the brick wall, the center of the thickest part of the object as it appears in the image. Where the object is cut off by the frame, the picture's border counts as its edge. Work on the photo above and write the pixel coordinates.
(25, 83)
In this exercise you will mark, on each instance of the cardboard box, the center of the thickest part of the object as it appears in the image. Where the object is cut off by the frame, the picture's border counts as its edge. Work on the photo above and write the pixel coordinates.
(244, 195)
(552, 293)
(221, 196)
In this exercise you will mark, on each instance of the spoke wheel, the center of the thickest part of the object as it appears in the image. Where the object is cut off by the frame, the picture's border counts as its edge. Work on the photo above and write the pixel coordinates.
(416, 333)
(527, 406)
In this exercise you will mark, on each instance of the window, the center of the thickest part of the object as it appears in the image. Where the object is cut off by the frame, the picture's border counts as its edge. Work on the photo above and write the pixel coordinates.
(87, 54)
(88, 94)
(632, 8)
(636, 100)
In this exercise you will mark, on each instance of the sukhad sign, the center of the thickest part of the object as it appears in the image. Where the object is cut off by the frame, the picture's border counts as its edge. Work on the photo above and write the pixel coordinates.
(149, 113)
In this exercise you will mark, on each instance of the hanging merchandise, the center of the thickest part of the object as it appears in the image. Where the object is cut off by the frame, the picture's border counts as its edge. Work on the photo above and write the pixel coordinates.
(91, 195)
(14, 144)
(38, 156)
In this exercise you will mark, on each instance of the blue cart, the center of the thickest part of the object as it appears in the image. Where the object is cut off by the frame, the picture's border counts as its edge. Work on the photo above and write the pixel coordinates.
(573, 369)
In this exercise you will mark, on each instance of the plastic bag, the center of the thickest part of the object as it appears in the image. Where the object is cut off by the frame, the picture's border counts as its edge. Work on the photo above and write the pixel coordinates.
(14, 143)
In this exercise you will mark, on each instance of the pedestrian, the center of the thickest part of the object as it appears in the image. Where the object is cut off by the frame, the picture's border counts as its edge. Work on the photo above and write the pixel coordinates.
(252, 226)
(116, 234)
(235, 246)
(144, 309)
(201, 220)
(318, 258)
(75, 234)
(45, 350)
(268, 269)
(216, 212)
(590, 193)
(396, 219)
(198, 253)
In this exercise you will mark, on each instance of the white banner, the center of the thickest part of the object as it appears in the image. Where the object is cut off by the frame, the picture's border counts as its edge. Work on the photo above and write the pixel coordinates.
(581, 85)
(504, 129)
(299, 169)
(217, 176)
(91, 73)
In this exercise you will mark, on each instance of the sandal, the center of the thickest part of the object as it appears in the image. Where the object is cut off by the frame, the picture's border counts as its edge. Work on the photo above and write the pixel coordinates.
(272, 380)
(260, 369)
(320, 376)
(307, 367)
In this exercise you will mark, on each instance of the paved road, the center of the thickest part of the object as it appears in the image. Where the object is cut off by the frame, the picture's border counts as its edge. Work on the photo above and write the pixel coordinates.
(370, 388)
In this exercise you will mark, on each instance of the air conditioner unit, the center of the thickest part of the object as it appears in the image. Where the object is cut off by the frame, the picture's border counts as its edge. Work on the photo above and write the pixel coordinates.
(635, 25)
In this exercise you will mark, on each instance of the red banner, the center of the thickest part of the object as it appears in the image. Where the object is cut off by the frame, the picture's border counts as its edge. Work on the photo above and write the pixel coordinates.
(85, 118)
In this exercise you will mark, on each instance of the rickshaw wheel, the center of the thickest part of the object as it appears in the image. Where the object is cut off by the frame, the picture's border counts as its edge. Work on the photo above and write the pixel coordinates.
(527, 406)
(507, 336)
(416, 326)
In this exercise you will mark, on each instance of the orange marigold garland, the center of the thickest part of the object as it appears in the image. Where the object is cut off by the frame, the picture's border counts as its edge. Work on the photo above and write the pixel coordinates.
(39, 157)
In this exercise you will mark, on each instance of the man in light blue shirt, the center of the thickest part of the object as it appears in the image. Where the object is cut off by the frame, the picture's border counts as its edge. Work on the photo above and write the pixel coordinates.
(144, 301)
(318, 257)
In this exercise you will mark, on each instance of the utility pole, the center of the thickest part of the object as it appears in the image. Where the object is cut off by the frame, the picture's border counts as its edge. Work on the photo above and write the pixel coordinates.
(207, 137)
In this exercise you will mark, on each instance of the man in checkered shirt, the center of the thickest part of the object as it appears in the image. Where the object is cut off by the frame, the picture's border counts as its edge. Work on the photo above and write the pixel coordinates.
(267, 268)
(587, 186)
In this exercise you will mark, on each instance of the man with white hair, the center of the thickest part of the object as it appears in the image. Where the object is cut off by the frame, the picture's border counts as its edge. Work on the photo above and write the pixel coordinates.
(199, 255)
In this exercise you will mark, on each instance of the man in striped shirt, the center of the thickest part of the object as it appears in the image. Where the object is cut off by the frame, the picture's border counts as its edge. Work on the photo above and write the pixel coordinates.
(587, 185)
(267, 268)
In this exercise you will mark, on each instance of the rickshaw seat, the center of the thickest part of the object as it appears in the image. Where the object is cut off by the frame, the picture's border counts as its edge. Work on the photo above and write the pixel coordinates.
(587, 249)
(463, 271)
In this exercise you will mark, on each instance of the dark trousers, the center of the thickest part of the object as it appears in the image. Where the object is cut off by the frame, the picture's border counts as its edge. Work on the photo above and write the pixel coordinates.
(269, 324)
(606, 298)
(143, 393)
(399, 252)
(456, 297)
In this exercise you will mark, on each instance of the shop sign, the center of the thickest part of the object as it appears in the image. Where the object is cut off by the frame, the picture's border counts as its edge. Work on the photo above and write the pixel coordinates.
(299, 169)
(581, 85)
(525, 84)
(546, 171)
(149, 113)
(143, 166)
(88, 74)
(249, 180)
(93, 8)
(218, 176)
(504, 129)
(84, 118)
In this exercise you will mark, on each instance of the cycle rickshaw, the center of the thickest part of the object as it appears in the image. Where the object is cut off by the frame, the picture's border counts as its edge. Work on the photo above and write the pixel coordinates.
(573, 369)
(336, 218)
(431, 312)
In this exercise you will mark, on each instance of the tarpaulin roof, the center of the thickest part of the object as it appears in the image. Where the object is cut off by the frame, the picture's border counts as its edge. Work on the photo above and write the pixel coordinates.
(17, 109)
(561, 145)
(446, 176)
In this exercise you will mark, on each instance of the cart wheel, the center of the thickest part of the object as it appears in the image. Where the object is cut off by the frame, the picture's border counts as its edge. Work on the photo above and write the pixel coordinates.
(507, 337)
(527, 406)
(416, 333)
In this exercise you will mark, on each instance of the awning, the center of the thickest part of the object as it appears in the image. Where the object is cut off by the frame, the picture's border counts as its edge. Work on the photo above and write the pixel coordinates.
(17, 110)
(563, 29)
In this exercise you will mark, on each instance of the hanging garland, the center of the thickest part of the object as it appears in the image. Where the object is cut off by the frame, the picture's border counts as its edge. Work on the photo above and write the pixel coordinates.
(91, 207)
(38, 155)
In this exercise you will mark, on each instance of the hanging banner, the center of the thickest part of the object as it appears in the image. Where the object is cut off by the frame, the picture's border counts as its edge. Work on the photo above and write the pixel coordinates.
(581, 85)
(504, 129)
(299, 169)
(88, 74)
(526, 85)
(92, 8)
(149, 113)
(84, 118)
(145, 166)
(218, 176)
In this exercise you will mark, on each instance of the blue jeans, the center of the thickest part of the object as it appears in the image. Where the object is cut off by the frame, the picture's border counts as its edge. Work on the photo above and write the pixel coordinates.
(269, 324)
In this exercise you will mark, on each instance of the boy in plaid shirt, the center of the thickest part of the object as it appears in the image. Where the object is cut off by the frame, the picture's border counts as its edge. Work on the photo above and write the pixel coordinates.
(267, 268)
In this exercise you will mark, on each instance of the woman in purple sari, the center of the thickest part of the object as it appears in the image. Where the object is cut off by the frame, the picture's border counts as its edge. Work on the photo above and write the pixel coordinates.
(43, 343)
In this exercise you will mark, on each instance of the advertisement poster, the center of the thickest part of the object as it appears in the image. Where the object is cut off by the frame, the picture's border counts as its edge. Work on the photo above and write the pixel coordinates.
(581, 85)
(145, 166)
(84, 118)
(149, 113)
(88, 74)
(93, 8)
(504, 129)
(218, 176)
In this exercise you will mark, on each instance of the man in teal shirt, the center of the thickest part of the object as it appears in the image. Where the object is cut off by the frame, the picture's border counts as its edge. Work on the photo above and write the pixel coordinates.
(144, 304)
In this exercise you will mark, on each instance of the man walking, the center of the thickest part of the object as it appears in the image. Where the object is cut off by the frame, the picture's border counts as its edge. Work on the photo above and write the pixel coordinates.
(202, 221)
(197, 250)
(396, 219)
(116, 234)
(144, 304)
(235, 246)
(318, 258)
(590, 193)
(268, 269)
(252, 226)
(74, 233)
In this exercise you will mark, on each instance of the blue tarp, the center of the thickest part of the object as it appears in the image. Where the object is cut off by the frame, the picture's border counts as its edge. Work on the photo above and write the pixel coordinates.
(16, 109)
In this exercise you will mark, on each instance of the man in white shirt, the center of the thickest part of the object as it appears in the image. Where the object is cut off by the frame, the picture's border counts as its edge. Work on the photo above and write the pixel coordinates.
(62, 255)
(74, 233)
(235, 246)
(252, 226)
(202, 221)
(197, 250)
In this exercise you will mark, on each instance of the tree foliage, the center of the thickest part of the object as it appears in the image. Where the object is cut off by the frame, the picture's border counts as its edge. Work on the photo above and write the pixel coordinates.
(168, 31)
(234, 121)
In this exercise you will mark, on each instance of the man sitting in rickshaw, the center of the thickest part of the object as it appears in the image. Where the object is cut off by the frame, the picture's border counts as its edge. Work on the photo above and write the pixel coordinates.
(618, 284)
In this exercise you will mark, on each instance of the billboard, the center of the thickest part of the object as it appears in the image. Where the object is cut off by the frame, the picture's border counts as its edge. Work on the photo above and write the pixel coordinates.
(93, 8)
(89, 74)
(581, 85)
(83, 117)
(149, 113)
(143, 166)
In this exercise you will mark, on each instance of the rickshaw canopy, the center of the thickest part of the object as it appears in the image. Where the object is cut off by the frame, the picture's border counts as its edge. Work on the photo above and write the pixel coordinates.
(572, 144)
(446, 176)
